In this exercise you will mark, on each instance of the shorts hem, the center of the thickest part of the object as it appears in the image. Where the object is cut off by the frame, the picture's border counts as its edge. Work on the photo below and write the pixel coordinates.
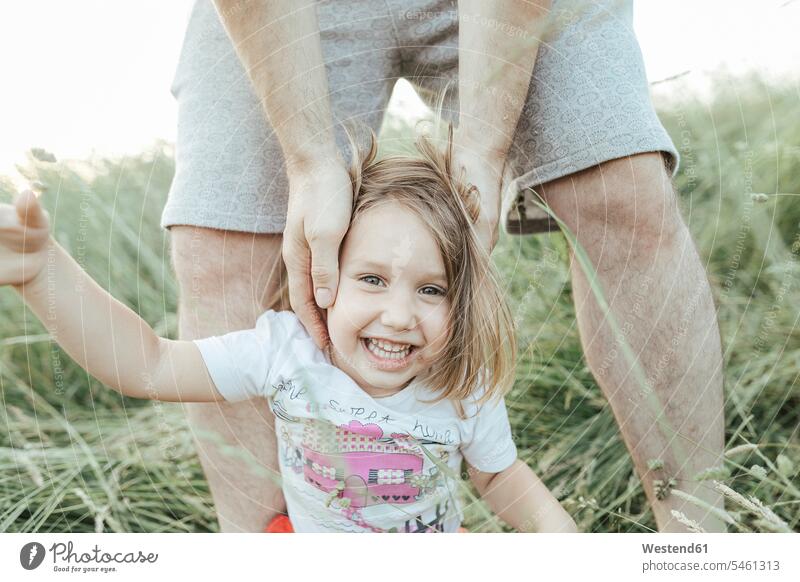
(233, 221)
(589, 158)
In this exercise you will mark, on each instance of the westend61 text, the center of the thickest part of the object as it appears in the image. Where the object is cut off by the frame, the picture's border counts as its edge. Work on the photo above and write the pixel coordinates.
(670, 549)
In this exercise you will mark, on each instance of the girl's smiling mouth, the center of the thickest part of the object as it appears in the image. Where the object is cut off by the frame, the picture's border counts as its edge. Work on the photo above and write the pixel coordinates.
(388, 356)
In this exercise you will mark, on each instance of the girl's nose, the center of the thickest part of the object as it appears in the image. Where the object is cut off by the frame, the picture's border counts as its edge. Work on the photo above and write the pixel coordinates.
(398, 312)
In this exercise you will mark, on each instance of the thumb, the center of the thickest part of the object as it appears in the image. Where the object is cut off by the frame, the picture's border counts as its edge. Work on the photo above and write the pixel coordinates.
(325, 271)
(29, 211)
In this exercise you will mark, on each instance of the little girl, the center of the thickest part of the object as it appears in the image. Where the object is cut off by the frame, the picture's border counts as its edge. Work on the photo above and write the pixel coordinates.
(373, 430)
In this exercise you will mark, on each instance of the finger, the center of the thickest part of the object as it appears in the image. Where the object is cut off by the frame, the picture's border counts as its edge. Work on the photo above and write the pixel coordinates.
(307, 311)
(29, 210)
(316, 325)
(488, 235)
(485, 240)
(19, 239)
(301, 297)
(325, 270)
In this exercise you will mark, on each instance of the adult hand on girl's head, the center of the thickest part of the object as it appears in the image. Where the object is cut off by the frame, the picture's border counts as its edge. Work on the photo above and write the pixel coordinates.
(320, 205)
(24, 233)
(484, 170)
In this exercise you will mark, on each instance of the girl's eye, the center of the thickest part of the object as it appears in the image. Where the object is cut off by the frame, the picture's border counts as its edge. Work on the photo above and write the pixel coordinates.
(432, 291)
(371, 280)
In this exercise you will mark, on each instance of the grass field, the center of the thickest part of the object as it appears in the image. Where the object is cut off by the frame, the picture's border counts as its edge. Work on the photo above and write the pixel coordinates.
(77, 457)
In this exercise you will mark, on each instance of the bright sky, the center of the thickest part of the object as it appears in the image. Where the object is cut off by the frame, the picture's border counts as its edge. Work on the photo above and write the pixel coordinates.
(93, 75)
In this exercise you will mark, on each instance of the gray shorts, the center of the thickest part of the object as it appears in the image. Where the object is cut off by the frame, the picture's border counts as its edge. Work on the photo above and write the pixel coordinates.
(588, 101)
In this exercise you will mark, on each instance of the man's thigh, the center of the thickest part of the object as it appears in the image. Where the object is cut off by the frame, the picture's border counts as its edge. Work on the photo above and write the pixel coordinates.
(225, 278)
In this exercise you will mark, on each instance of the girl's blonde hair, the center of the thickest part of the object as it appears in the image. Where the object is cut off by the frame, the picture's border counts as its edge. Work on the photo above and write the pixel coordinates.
(481, 348)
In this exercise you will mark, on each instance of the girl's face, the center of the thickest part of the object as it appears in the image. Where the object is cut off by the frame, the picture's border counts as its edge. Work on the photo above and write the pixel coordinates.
(390, 319)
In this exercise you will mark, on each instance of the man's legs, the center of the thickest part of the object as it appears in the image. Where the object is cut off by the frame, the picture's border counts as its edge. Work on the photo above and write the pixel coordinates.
(625, 216)
(225, 278)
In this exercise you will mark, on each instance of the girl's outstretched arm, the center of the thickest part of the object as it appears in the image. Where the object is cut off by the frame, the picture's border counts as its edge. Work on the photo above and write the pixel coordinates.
(107, 339)
(520, 499)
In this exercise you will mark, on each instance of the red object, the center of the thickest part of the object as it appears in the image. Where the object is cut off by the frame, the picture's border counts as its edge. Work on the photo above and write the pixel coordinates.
(279, 524)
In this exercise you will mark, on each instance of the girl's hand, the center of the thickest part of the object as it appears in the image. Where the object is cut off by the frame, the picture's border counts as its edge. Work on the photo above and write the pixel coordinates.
(24, 233)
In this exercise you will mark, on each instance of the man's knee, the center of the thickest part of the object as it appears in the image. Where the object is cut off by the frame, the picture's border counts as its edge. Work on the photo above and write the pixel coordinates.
(629, 199)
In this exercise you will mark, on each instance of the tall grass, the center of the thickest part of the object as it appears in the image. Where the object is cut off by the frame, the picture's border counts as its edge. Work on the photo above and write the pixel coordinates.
(77, 457)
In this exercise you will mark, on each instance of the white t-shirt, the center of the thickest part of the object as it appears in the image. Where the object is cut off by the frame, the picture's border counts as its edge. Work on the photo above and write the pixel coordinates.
(350, 462)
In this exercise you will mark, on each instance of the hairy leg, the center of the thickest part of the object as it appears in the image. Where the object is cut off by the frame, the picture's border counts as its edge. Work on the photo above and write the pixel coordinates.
(624, 214)
(224, 279)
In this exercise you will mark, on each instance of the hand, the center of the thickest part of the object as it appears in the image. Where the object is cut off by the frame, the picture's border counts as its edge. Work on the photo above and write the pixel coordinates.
(320, 205)
(484, 170)
(24, 233)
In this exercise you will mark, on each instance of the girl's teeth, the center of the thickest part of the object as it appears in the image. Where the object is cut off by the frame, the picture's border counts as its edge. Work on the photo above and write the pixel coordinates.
(393, 352)
(389, 347)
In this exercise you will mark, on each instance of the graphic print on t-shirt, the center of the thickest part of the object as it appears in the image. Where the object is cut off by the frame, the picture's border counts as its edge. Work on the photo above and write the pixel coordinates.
(362, 465)
(356, 466)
